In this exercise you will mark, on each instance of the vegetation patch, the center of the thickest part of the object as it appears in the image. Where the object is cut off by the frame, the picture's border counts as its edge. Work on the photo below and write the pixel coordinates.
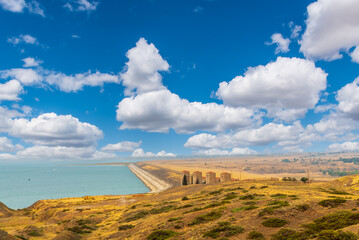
(279, 195)
(272, 207)
(136, 216)
(125, 227)
(302, 207)
(174, 219)
(250, 203)
(162, 209)
(230, 196)
(332, 203)
(254, 235)
(274, 222)
(218, 192)
(213, 215)
(185, 198)
(161, 235)
(250, 196)
(224, 228)
(336, 235)
(333, 221)
(290, 234)
(246, 208)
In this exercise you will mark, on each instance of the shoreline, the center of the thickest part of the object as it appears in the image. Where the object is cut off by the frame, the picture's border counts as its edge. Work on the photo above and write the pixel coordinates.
(155, 184)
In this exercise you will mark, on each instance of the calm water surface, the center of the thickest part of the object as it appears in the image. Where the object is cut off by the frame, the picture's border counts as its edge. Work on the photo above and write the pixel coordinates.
(23, 184)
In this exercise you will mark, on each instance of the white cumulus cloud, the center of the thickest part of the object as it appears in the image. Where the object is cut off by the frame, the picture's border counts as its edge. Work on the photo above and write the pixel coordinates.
(332, 26)
(31, 62)
(7, 146)
(162, 110)
(286, 88)
(348, 98)
(125, 146)
(10, 90)
(344, 147)
(51, 129)
(140, 153)
(281, 42)
(142, 69)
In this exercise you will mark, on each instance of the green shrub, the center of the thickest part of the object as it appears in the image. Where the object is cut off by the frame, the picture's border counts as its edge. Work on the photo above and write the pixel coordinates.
(274, 222)
(125, 227)
(290, 234)
(246, 208)
(174, 219)
(225, 228)
(336, 235)
(161, 209)
(302, 207)
(279, 203)
(333, 221)
(185, 198)
(216, 192)
(230, 196)
(279, 195)
(262, 187)
(213, 215)
(255, 235)
(332, 202)
(137, 216)
(252, 187)
(161, 235)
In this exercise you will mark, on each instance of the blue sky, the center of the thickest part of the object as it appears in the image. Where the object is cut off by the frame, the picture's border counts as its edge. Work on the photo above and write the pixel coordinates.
(101, 79)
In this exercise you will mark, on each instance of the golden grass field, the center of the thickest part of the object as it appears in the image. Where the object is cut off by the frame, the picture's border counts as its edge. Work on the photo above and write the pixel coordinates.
(224, 210)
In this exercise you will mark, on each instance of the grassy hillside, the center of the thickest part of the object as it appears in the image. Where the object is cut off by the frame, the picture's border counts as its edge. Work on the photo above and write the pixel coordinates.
(236, 210)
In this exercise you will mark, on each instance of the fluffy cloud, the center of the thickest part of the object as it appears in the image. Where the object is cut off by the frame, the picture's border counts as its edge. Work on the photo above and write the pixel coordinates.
(344, 147)
(287, 88)
(142, 69)
(140, 153)
(23, 38)
(10, 90)
(348, 98)
(332, 27)
(281, 42)
(31, 62)
(26, 76)
(7, 146)
(6, 116)
(125, 146)
(76, 82)
(267, 134)
(81, 6)
(66, 83)
(154, 108)
(218, 152)
(13, 5)
(159, 111)
(56, 130)
(56, 152)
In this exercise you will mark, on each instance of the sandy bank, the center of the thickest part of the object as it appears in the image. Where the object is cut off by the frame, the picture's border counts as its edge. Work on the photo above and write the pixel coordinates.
(153, 183)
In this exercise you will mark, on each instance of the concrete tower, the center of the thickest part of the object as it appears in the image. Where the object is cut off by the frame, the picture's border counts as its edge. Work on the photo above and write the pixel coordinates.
(197, 177)
(225, 177)
(210, 178)
(185, 178)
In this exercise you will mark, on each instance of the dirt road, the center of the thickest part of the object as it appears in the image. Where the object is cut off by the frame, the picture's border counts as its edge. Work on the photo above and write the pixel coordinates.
(153, 183)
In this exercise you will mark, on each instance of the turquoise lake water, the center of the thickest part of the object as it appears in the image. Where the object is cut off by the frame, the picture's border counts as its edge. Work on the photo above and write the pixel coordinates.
(23, 184)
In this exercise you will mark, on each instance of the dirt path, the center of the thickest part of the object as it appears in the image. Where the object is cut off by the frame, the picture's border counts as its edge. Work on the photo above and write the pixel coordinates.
(153, 183)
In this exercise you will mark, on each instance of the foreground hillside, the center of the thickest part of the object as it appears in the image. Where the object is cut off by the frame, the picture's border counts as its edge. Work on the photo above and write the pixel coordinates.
(236, 210)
